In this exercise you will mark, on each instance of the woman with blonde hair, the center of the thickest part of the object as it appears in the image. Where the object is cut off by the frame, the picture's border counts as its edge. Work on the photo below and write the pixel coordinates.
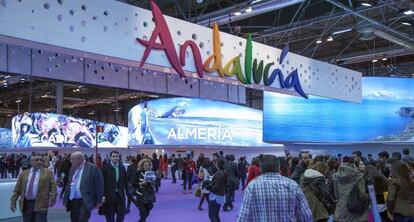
(144, 188)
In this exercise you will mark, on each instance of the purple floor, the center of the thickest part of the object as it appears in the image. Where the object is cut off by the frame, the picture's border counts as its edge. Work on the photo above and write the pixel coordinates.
(172, 205)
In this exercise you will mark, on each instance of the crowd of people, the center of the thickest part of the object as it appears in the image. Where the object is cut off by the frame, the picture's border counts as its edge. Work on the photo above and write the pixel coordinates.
(288, 188)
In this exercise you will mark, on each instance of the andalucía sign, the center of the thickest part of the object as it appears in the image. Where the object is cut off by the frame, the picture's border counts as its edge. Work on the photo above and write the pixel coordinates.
(107, 34)
(214, 63)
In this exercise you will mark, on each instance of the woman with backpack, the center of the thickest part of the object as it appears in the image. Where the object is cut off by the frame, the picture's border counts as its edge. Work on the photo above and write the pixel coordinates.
(400, 201)
(313, 184)
(204, 174)
(351, 194)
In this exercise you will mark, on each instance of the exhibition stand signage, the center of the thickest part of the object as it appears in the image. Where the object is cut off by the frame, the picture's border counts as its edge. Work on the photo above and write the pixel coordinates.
(185, 121)
(118, 33)
(386, 114)
(214, 62)
(54, 130)
(5, 138)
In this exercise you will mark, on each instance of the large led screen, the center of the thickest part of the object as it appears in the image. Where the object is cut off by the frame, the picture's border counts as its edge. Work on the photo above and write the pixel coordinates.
(386, 114)
(54, 130)
(184, 121)
(5, 138)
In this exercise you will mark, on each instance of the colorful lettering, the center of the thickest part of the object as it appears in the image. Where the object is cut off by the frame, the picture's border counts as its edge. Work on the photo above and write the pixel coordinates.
(216, 56)
(214, 63)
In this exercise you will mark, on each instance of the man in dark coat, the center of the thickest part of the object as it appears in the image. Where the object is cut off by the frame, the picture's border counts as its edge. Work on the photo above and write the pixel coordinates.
(115, 187)
(84, 190)
(232, 184)
(242, 165)
(66, 165)
(301, 167)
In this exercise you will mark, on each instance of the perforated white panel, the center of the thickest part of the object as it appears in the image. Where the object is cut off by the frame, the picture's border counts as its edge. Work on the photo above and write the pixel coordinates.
(109, 28)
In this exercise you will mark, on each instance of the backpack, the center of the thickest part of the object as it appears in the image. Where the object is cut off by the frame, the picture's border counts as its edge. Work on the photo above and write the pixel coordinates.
(356, 204)
(324, 197)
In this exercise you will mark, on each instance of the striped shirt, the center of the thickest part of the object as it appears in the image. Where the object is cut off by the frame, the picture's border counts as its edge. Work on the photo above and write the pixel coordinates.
(272, 197)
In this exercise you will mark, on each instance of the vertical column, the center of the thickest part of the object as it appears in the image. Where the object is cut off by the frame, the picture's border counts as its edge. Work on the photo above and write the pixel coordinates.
(30, 95)
(59, 97)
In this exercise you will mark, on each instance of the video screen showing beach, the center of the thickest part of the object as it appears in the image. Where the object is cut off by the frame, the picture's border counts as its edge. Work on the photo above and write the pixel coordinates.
(5, 138)
(386, 114)
(185, 121)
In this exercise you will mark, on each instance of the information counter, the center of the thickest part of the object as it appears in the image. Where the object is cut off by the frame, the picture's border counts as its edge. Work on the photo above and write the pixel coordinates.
(6, 190)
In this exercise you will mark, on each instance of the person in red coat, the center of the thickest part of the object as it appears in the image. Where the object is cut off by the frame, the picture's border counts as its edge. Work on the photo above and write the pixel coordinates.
(254, 171)
(164, 166)
(189, 167)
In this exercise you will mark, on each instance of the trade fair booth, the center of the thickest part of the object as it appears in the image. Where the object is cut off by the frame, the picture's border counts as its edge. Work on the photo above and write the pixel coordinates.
(194, 79)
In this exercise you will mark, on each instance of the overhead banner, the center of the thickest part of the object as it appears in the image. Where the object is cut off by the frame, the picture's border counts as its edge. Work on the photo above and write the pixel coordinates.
(5, 138)
(148, 39)
(54, 130)
(184, 121)
(385, 115)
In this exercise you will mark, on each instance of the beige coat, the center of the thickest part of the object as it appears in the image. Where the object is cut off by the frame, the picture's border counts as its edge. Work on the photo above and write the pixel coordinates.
(46, 191)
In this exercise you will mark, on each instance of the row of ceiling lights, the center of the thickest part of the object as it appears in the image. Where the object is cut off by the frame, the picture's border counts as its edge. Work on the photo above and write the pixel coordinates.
(403, 11)
(248, 9)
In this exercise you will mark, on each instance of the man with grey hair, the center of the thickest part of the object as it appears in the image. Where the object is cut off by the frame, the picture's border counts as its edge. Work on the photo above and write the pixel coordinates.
(272, 197)
(84, 190)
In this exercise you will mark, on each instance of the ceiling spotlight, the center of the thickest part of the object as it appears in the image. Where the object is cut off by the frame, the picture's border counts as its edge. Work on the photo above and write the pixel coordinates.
(76, 90)
(18, 101)
(329, 39)
(408, 12)
(23, 79)
(237, 13)
(341, 31)
(366, 4)
(406, 23)
(318, 41)
(256, 1)
(375, 60)
(384, 59)
(249, 9)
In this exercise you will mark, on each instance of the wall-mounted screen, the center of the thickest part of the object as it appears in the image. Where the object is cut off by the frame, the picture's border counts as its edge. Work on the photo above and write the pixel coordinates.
(54, 130)
(385, 114)
(184, 121)
(5, 138)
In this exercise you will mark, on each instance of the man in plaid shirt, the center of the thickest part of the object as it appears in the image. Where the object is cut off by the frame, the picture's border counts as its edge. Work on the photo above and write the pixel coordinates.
(272, 197)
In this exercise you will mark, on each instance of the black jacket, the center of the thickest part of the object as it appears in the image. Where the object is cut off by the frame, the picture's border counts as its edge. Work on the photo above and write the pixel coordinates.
(145, 192)
(219, 183)
(111, 186)
(242, 169)
(232, 174)
(131, 171)
(299, 170)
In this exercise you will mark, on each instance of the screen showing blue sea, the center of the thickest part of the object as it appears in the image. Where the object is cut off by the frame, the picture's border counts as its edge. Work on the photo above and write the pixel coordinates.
(192, 121)
(386, 114)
